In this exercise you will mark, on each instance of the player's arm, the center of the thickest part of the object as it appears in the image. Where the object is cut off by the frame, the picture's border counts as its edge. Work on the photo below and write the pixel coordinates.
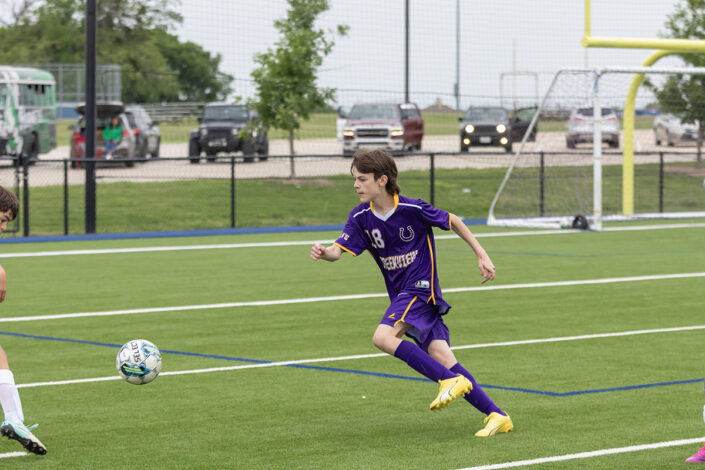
(484, 262)
(3, 284)
(330, 253)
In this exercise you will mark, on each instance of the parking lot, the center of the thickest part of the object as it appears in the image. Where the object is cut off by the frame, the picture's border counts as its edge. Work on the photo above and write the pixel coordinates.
(313, 159)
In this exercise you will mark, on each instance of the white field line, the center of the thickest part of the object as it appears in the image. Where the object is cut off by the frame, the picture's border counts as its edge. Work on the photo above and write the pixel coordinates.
(587, 455)
(260, 303)
(13, 454)
(309, 242)
(368, 356)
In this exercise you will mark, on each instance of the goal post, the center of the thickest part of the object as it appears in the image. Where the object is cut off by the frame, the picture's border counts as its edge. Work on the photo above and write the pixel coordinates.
(565, 179)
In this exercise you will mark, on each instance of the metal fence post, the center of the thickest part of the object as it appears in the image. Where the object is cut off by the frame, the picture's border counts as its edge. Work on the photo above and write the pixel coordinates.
(660, 182)
(433, 178)
(232, 192)
(25, 194)
(66, 197)
(541, 185)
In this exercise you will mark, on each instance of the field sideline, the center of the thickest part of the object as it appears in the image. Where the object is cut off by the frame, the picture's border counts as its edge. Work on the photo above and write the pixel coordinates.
(591, 341)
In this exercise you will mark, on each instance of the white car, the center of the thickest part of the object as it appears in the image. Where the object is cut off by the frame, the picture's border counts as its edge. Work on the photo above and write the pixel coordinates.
(580, 123)
(670, 130)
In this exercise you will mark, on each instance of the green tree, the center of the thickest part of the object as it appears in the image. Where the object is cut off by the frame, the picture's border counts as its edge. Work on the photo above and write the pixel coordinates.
(155, 65)
(684, 95)
(286, 75)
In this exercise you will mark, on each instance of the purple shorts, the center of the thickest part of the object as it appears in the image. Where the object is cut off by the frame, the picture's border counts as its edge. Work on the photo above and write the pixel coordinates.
(427, 323)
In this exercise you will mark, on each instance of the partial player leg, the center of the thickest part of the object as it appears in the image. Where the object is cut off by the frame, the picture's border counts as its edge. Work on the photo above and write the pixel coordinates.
(497, 421)
(388, 339)
(13, 427)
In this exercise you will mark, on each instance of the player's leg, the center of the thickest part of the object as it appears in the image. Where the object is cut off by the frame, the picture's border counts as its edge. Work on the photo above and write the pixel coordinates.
(440, 350)
(497, 421)
(13, 426)
(388, 339)
(403, 315)
(9, 397)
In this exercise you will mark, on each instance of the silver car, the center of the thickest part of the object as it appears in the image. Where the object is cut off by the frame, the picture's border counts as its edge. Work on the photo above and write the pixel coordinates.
(145, 130)
(580, 127)
(669, 129)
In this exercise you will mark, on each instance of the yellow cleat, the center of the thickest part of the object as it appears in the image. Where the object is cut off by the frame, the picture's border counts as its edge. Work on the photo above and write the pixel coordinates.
(450, 390)
(495, 423)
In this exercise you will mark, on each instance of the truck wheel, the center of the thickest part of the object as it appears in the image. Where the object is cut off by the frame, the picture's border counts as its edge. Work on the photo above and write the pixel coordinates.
(264, 150)
(248, 149)
(155, 154)
(194, 151)
(30, 150)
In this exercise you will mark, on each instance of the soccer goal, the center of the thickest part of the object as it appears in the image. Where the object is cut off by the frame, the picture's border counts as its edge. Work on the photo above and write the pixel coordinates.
(574, 174)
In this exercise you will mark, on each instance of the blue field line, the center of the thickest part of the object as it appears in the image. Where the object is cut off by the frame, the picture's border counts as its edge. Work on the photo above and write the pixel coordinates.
(361, 372)
(190, 233)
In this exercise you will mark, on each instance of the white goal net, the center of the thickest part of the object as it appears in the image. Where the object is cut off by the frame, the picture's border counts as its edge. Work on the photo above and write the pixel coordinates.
(561, 178)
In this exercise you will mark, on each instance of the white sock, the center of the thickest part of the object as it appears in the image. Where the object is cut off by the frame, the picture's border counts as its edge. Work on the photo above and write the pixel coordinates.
(9, 398)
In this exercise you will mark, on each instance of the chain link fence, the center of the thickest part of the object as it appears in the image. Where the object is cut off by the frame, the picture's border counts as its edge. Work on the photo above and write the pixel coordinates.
(171, 194)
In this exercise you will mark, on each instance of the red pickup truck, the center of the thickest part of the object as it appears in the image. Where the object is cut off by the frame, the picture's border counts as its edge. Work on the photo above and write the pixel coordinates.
(391, 126)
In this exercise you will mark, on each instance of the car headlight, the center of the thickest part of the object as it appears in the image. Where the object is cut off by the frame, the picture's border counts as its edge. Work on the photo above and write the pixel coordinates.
(396, 131)
(349, 131)
(204, 132)
(469, 128)
(501, 128)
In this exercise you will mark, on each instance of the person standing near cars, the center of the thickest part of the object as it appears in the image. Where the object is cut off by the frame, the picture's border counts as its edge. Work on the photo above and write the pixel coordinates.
(111, 136)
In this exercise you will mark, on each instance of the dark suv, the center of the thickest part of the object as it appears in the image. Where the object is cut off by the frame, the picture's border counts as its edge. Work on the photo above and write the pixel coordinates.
(220, 130)
(492, 125)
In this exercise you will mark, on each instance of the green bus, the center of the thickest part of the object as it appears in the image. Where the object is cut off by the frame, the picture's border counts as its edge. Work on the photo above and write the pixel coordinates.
(27, 112)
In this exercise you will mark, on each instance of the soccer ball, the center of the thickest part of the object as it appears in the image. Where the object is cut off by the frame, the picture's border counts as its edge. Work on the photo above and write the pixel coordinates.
(139, 362)
(566, 222)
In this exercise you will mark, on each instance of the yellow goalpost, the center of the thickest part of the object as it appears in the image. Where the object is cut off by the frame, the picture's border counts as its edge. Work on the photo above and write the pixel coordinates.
(663, 48)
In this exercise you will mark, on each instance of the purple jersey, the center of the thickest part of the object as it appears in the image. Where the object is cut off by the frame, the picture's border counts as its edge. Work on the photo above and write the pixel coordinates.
(402, 244)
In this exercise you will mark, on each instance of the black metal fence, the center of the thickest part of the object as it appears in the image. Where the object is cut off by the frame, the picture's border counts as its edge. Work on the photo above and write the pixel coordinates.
(171, 194)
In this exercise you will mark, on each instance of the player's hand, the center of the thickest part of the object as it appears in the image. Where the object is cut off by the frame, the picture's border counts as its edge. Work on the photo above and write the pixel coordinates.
(487, 269)
(317, 251)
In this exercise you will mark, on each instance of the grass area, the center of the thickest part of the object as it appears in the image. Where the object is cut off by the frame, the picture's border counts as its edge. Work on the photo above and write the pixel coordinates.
(268, 417)
(323, 126)
(206, 204)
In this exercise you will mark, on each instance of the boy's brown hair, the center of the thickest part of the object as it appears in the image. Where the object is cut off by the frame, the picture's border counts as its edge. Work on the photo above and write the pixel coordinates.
(9, 202)
(377, 162)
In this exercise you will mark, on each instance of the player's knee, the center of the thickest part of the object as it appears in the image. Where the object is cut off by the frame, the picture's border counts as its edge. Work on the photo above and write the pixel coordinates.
(377, 340)
(381, 341)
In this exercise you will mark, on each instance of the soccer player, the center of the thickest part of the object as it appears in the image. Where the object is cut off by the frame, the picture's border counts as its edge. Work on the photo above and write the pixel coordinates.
(397, 231)
(699, 456)
(13, 427)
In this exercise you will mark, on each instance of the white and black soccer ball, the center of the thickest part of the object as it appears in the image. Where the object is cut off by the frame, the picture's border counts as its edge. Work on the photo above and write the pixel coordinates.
(139, 361)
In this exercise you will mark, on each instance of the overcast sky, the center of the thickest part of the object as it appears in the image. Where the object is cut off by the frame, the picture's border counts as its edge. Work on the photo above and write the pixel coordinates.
(496, 37)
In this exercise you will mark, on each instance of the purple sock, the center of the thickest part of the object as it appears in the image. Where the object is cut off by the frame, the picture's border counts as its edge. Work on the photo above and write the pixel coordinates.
(421, 362)
(477, 397)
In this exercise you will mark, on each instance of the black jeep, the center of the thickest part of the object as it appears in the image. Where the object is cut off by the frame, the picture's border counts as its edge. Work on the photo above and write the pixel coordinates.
(220, 129)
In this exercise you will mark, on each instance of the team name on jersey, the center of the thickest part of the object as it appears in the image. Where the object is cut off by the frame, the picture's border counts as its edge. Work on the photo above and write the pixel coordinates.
(392, 263)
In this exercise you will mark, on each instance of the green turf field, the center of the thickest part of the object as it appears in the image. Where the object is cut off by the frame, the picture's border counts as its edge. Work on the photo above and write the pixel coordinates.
(371, 412)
